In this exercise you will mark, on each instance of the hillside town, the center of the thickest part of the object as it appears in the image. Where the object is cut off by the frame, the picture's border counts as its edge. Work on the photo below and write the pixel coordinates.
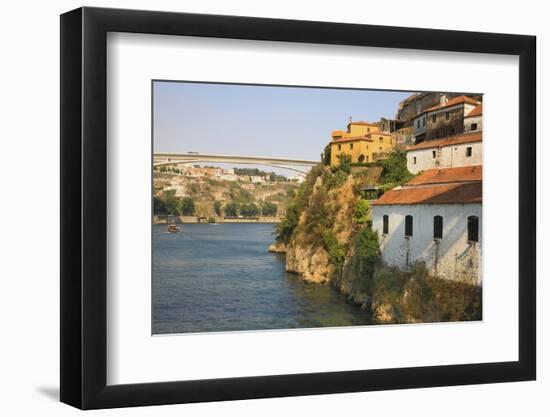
(435, 218)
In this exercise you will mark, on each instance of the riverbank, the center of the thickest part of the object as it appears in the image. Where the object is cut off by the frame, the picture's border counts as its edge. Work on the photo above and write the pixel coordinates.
(214, 219)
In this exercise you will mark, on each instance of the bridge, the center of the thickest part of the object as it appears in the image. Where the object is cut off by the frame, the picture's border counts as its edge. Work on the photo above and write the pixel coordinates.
(169, 158)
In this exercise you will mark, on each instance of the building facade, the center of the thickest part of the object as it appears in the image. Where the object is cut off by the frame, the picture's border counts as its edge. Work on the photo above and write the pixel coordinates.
(361, 149)
(436, 220)
(444, 119)
(473, 121)
(452, 152)
(363, 142)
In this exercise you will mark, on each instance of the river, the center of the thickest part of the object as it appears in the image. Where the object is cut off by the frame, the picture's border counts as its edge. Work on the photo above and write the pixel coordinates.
(220, 277)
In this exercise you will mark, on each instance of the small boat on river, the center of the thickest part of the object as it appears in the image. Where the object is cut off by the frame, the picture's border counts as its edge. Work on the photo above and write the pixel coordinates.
(173, 228)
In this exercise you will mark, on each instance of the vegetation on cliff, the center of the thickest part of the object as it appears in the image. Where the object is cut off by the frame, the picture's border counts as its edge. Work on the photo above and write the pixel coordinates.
(329, 223)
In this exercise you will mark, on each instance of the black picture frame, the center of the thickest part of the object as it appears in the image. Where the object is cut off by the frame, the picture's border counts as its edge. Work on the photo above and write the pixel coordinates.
(84, 207)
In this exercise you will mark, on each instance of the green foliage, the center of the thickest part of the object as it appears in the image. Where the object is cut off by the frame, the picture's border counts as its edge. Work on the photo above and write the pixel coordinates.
(325, 156)
(318, 219)
(269, 209)
(163, 169)
(426, 298)
(344, 163)
(336, 251)
(167, 204)
(285, 228)
(394, 168)
(334, 178)
(239, 195)
(367, 254)
(361, 211)
(187, 206)
(211, 220)
(249, 210)
(218, 208)
(231, 209)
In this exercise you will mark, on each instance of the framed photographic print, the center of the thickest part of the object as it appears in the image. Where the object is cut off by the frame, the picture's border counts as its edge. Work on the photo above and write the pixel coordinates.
(258, 207)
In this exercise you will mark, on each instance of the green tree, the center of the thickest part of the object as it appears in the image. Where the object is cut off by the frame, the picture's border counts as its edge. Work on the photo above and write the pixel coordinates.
(187, 206)
(394, 168)
(367, 251)
(249, 210)
(218, 207)
(269, 209)
(170, 202)
(163, 169)
(325, 156)
(231, 209)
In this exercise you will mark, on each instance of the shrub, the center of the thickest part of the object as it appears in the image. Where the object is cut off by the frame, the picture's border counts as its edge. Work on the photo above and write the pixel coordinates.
(249, 210)
(211, 220)
(361, 211)
(218, 208)
(336, 251)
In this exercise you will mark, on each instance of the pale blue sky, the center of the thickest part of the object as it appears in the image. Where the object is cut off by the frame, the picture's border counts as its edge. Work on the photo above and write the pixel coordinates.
(259, 120)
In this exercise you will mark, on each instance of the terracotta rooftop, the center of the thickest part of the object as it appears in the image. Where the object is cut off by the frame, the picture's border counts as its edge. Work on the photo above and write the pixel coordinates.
(477, 111)
(362, 123)
(447, 175)
(453, 102)
(449, 141)
(352, 139)
(457, 193)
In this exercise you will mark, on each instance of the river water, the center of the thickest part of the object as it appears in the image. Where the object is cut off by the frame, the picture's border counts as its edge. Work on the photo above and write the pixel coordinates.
(220, 277)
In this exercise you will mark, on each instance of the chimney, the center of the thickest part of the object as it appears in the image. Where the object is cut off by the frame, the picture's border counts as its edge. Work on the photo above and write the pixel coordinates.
(442, 99)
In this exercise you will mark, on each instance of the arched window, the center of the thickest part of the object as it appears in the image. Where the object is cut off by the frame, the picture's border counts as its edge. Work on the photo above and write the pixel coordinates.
(438, 227)
(473, 229)
(408, 225)
(385, 224)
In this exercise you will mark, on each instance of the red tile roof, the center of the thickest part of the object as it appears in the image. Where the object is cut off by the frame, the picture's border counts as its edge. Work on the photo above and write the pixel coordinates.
(457, 193)
(447, 175)
(449, 141)
(362, 123)
(453, 102)
(477, 111)
(352, 139)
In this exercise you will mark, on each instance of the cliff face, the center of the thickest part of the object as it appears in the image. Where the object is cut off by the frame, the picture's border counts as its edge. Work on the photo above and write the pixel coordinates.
(327, 239)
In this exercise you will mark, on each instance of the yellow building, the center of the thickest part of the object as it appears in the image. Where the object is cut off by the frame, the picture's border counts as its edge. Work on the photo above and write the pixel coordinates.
(363, 142)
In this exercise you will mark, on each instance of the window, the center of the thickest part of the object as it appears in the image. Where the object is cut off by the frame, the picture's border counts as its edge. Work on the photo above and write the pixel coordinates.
(351, 145)
(380, 148)
(469, 151)
(339, 147)
(434, 117)
(447, 115)
(418, 124)
(368, 129)
(414, 159)
(380, 139)
(385, 224)
(434, 154)
(424, 122)
(452, 132)
(473, 126)
(408, 226)
(367, 158)
(438, 227)
(473, 229)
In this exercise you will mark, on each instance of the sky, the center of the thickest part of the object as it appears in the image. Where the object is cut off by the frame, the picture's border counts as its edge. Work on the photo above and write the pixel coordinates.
(253, 120)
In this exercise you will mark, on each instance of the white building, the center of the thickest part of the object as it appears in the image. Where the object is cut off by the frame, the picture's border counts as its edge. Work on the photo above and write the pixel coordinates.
(434, 219)
(473, 120)
(456, 151)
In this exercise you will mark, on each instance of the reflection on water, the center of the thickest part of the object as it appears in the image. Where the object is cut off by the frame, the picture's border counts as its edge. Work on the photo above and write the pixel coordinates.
(220, 277)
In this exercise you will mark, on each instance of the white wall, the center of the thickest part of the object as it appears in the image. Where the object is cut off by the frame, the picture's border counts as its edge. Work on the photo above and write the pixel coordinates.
(452, 257)
(468, 121)
(29, 264)
(446, 157)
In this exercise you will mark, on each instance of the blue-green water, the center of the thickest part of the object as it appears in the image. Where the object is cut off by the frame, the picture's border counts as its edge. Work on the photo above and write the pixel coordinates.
(222, 278)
